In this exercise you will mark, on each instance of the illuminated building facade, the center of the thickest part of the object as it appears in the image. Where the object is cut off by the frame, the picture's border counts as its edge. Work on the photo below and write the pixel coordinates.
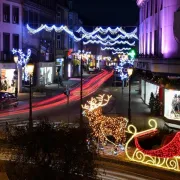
(159, 53)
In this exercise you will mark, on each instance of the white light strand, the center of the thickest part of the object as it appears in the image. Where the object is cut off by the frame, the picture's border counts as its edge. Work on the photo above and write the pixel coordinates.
(109, 30)
(23, 58)
(109, 43)
(85, 34)
(112, 48)
(118, 52)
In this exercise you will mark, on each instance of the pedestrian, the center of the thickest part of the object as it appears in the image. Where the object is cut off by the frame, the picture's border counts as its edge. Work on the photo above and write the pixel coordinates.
(60, 82)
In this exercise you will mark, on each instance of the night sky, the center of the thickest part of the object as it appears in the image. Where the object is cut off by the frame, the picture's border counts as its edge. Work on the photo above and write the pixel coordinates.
(107, 12)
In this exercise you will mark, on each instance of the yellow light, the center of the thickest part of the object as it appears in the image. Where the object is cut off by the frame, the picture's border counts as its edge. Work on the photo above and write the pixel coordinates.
(139, 156)
(130, 71)
(101, 125)
(16, 59)
(30, 68)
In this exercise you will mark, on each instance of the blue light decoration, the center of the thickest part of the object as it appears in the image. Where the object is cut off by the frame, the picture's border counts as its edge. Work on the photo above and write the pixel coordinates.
(23, 59)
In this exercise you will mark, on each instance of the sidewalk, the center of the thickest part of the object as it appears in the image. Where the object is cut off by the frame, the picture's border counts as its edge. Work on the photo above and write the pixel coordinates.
(140, 113)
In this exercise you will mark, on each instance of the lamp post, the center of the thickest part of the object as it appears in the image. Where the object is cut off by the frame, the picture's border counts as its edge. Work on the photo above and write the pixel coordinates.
(81, 90)
(30, 69)
(130, 71)
(16, 83)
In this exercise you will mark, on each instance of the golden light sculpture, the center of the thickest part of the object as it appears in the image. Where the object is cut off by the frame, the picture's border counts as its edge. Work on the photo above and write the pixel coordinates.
(166, 156)
(104, 126)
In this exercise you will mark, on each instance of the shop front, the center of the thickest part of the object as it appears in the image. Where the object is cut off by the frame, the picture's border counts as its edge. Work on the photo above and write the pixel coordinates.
(46, 73)
(8, 77)
(172, 104)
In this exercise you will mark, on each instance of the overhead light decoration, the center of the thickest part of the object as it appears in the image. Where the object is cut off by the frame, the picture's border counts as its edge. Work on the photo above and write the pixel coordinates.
(23, 59)
(109, 30)
(132, 54)
(86, 34)
(104, 126)
(167, 156)
(109, 43)
(119, 52)
(115, 49)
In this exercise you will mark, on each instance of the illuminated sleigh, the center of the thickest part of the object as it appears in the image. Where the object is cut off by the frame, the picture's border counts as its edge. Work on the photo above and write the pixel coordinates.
(165, 157)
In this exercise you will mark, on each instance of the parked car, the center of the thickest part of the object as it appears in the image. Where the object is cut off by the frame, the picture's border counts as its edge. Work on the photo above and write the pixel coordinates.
(93, 69)
(8, 99)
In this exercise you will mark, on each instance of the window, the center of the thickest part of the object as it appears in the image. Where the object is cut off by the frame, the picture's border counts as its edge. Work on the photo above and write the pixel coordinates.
(15, 15)
(6, 42)
(146, 43)
(151, 10)
(150, 43)
(35, 19)
(26, 17)
(16, 41)
(161, 7)
(160, 41)
(70, 5)
(58, 41)
(58, 18)
(70, 43)
(156, 42)
(147, 7)
(156, 6)
(6, 13)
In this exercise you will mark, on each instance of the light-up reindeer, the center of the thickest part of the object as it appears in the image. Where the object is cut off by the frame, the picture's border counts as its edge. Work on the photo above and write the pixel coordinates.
(104, 126)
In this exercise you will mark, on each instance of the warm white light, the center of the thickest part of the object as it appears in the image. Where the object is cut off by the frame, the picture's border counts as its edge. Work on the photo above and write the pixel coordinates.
(130, 71)
(16, 59)
(30, 68)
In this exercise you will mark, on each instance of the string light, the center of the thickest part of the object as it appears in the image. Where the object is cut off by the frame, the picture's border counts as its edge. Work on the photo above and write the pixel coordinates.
(109, 43)
(164, 157)
(109, 30)
(101, 125)
(119, 52)
(114, 49)
(23, 60)
(85, 34)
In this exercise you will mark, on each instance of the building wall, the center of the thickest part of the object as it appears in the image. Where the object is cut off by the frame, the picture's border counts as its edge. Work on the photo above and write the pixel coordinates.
(156, 34)
(10, 27)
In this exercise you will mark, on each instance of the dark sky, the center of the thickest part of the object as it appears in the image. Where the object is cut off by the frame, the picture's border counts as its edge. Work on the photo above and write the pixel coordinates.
(107, 12)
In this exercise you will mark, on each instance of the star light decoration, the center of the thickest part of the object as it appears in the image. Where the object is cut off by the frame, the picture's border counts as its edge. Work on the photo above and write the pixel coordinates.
(23, 59)
(103, 126)
(167, 156)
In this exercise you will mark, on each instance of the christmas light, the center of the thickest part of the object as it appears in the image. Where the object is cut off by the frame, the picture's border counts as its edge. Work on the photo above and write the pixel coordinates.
(119, 52)
(109, 43)
(109, 30)
(114, 49)
(165, 157)
(132, 54)
(23, 59)
(101, 125)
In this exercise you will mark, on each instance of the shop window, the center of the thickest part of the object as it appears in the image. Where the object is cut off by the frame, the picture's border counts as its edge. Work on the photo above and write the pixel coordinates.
(16, 41)
(6, 13)
(58, 42)
(6, 42)
(15, 15)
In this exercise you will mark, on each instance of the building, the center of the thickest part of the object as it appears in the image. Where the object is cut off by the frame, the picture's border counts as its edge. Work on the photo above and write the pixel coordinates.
(47, 48)
(159, 54)
(10, 37)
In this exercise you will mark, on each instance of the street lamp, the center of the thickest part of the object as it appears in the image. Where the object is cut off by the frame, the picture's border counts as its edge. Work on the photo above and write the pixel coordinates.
(130, 71)
(30, 69)
(16, 85)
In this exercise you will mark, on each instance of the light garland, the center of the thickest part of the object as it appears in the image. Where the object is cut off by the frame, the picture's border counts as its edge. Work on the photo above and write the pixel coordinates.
(109, 30)
(101, 125)
(23, 60)
(108, 43)
(86, 34)
(115, 49)
(119, 52)
(166, 157)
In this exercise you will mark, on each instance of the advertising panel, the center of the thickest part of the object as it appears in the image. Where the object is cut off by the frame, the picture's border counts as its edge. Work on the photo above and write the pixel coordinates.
(151, 88)
(172, 104)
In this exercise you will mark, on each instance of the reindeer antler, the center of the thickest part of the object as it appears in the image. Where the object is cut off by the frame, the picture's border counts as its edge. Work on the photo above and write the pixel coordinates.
(93, 103)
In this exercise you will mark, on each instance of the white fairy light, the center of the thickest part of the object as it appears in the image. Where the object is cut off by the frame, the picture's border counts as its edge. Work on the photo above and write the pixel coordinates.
(115, 49)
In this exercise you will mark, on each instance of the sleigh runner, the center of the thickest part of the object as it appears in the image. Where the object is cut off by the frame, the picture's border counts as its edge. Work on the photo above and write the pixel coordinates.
(166, 156)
